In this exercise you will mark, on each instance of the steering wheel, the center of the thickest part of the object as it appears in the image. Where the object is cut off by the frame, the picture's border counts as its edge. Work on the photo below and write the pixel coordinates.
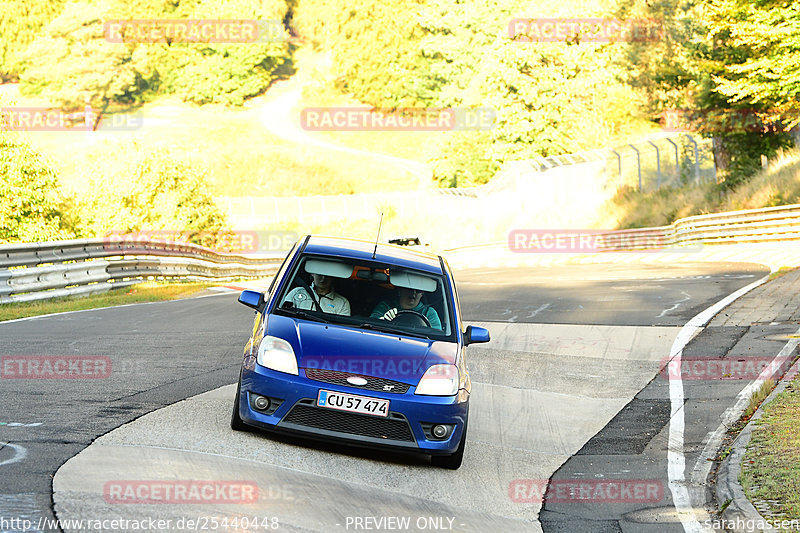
(413, 318)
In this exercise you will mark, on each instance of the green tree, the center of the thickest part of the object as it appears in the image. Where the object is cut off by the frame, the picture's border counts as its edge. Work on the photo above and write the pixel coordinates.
(684, 70)
(72, 63)
(21, 21)
(769, 30)
(74, 60)
(549, 98)
(375, 44)
(158, 191)
(765, 74)
(30, 198)
(226, 73)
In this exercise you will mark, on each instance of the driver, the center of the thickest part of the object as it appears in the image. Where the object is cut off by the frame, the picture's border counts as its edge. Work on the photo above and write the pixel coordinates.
(408, 300)
(328, 298)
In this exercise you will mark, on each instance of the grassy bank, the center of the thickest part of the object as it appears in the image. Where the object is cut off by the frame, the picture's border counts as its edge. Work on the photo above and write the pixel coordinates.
(231, 146)
(778, 184)
(150, 291)
(770, 471)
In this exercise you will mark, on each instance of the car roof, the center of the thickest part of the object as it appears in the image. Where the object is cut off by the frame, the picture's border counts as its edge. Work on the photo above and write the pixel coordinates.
(362, 250)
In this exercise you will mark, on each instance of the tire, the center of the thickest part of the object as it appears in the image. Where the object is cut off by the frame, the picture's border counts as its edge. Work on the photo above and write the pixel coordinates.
(237, 424)
(453, 461)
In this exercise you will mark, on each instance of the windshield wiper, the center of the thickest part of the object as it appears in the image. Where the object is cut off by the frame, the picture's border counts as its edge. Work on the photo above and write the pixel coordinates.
(303, 314)
(387, 329)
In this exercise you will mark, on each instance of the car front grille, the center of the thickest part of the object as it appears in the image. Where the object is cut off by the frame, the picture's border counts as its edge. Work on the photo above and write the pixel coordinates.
(337, 377)
(393, 427)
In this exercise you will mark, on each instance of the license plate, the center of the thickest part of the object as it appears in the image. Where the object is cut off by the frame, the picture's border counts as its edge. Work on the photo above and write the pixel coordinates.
(353, 403)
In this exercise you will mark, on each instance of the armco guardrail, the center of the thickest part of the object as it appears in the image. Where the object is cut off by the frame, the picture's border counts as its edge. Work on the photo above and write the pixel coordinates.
(43, 270)
(769, 224)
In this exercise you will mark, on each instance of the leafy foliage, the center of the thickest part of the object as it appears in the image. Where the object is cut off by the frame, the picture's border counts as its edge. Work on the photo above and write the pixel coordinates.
(21, 21)
(159, 191)
(222, 73)
(74, 61)
(29, 195)
(688, 70)
(716, 57)
(375, 44)
(769, 32)
(73, 64)
(549, 98)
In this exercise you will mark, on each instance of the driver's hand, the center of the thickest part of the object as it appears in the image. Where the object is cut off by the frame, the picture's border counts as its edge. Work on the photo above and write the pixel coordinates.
(390, 314)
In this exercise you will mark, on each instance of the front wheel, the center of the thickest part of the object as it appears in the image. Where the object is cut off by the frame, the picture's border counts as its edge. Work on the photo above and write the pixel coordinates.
(452, 462)
(237, 424)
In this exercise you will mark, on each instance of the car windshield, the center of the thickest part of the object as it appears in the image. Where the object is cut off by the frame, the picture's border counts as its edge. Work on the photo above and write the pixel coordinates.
(370, 296)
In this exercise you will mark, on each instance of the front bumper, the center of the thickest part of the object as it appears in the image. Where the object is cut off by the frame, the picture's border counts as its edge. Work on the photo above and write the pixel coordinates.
(405, 428)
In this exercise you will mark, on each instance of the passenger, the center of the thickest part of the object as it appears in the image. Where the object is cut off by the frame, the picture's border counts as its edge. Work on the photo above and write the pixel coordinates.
(328, 298)
(410, 300)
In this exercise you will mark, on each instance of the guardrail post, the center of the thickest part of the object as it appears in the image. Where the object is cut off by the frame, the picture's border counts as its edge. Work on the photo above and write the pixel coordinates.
(5, 288)
(638, 165)
(696, 159)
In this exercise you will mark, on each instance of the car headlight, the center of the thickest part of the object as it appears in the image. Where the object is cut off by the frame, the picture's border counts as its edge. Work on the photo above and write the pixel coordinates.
(277, 354)
(439, 380)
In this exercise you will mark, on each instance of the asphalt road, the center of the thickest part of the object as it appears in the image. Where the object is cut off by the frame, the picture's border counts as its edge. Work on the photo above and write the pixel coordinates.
(162, 353)
(631, 450)
(611, 294)
(159, 354)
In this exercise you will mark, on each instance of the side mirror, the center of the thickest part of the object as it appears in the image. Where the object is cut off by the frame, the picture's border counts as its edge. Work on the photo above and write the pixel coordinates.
(252, 299)
(474, 335)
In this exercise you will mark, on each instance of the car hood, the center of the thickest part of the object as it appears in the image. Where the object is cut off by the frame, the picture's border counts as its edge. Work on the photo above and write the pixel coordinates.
(362, 352)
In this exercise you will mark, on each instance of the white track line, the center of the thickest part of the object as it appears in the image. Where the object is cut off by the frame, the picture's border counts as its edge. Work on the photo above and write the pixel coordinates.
(676, 460)
(20, 453)
(703, 465)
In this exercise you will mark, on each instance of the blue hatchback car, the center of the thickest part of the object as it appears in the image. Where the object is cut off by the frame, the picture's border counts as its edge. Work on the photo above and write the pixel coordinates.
(361, 343)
